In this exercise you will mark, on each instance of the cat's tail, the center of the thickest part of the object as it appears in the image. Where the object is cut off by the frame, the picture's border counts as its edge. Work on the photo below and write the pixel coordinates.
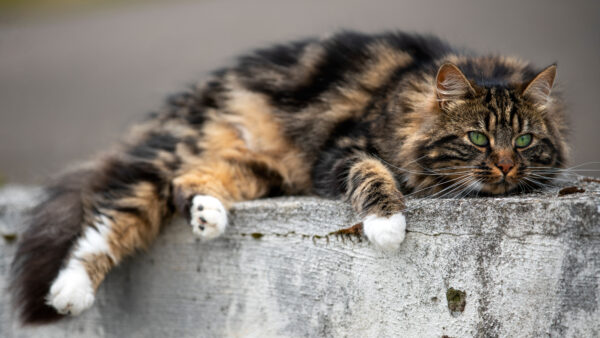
(53, 227)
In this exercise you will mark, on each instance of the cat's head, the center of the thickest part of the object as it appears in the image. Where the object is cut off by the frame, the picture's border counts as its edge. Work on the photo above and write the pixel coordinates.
(494, 136)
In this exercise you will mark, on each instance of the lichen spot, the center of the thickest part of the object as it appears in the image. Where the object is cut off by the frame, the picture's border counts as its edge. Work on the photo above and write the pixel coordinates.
(457, 300)
(9, 238)
(256, 235)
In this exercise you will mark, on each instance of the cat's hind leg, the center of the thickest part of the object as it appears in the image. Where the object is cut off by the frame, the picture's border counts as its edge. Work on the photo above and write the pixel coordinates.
(205, 193)
(73, 289)
(126, 205)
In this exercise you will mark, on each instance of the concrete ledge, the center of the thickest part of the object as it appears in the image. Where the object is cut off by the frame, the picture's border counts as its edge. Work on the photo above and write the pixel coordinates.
(525, 266)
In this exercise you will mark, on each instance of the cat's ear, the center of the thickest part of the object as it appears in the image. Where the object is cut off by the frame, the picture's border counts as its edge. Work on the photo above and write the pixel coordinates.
(451, 85)
(538, 89)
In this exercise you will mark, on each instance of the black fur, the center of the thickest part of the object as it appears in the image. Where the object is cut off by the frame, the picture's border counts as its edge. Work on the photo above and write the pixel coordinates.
(334, 162)
(154, 142)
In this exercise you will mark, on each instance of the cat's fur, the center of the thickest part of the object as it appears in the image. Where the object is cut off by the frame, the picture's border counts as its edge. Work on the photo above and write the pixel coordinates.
(360, 117)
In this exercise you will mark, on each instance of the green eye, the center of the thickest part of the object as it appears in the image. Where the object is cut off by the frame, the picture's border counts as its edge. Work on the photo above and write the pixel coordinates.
(523, 140)
(478, 138)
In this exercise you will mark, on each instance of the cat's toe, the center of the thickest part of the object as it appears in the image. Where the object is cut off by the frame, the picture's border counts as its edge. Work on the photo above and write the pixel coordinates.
(208, 217)
(71, 292)
(385, 232)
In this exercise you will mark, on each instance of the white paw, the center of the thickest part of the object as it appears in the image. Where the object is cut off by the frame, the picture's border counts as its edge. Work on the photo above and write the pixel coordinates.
(208, 217)
(385, 232)
(72, 291)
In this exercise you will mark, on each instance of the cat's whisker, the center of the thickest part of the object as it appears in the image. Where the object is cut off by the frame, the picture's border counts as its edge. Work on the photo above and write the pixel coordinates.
(529, 187)
(548, 172)
(537, 176)
(456, 184)
(419, 189)
(521, 187)
(426, 171)
(583, 164)
(444, 193)
(451, 173)
(537, 183)
(558, 176)
(584, 170)
(548, 181)
(454, 192)
(474, 187)
(424, 185)
(434, 195)
(396, 167)
(550, 176)
(456, 167)
(576, 168)
(435, 185)
(467, 190)
(568, 172)
(541, 175)
(463, 189)
(411, 162)
(443, 170)
(430, 172)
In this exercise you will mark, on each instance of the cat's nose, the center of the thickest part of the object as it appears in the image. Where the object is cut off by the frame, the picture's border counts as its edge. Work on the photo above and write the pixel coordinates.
(505, 164)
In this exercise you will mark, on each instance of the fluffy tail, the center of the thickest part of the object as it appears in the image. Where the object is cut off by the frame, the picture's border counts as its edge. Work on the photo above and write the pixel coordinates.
(54, 225)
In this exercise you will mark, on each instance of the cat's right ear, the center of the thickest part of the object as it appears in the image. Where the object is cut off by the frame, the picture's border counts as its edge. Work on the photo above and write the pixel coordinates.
(451, 85)
(538, 90)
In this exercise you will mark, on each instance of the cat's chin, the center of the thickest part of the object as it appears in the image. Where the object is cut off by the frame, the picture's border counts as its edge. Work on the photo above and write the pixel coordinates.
(500, 188)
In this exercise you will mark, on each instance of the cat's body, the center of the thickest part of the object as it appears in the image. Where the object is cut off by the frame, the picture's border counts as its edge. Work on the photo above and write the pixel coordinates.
(353, 116)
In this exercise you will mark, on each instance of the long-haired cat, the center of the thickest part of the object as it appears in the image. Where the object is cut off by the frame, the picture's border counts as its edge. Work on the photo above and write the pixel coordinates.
(366, 118)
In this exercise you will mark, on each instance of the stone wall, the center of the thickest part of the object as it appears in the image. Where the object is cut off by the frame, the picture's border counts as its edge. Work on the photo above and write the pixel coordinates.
(525, 266)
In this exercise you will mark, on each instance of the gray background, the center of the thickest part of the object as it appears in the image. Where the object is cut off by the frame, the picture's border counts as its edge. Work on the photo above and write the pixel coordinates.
(70, 84)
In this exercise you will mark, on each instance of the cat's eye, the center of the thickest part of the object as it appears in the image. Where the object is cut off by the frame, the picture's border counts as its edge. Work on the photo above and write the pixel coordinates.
(523, 140)
(478, 138)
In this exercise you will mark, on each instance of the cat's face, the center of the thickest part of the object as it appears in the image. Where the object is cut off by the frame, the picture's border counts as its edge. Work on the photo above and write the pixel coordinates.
(494, 139)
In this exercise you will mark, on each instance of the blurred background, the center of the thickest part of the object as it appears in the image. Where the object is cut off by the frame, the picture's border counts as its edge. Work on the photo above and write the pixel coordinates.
(75, 74)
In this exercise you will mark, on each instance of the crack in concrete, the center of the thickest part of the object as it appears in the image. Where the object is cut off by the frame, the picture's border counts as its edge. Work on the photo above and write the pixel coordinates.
(313, 237)
(481, 234)
(336, 234)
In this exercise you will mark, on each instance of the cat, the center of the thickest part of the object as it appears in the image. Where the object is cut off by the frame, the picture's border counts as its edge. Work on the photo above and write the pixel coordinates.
(365, 118)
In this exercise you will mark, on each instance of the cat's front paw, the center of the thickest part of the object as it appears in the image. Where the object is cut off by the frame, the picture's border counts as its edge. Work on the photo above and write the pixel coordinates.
(385, 232)
(71, 292)
(208, 217)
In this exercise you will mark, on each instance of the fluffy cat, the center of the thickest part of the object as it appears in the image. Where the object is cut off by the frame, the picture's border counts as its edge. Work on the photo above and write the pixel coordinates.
(366, 118)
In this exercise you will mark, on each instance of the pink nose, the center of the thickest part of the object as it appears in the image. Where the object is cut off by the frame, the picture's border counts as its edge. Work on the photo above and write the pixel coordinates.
(505, 164)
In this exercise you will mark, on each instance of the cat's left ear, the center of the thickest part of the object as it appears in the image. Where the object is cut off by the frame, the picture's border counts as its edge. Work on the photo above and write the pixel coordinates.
(451, 85)
(538, 89)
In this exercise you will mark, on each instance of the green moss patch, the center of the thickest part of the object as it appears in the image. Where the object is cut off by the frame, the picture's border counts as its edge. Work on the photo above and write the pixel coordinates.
(457, 300)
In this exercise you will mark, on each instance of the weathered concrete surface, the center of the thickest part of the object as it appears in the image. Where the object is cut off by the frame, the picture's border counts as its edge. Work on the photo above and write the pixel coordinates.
(526, 266)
